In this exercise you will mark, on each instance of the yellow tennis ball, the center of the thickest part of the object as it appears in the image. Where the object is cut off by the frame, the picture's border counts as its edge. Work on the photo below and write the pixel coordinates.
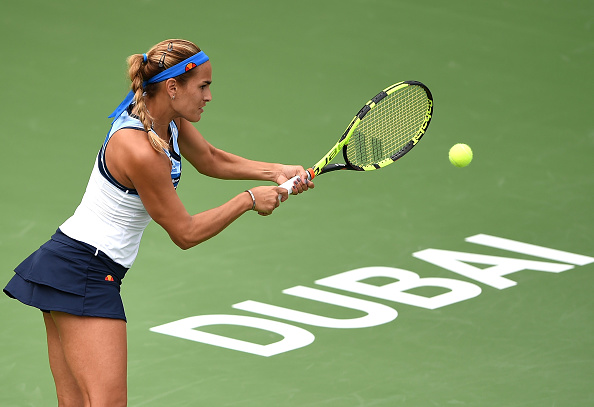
(460, 155)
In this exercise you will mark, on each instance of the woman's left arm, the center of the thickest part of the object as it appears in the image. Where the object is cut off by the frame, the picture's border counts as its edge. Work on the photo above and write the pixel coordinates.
(217, 163)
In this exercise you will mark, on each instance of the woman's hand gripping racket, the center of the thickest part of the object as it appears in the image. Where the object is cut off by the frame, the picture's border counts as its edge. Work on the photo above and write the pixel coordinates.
(384, 130)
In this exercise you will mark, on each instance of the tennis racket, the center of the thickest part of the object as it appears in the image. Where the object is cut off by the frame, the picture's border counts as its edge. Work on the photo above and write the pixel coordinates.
(383, 131)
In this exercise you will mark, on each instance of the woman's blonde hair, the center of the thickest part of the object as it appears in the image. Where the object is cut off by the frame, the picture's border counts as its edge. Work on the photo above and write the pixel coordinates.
(160, 57)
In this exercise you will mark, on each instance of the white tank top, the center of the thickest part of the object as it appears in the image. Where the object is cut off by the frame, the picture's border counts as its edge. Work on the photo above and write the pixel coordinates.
(111, 217)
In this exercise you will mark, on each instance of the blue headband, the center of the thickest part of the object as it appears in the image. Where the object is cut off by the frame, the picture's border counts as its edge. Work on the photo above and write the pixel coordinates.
(176, 70)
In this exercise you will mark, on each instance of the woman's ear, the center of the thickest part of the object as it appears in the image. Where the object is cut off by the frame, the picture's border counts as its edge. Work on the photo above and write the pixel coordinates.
(171, 87)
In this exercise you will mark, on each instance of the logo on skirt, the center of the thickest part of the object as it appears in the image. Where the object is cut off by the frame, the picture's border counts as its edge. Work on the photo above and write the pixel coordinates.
(109, 278)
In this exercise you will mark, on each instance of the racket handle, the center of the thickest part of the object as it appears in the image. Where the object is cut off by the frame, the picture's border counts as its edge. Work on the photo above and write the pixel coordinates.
(288, 185)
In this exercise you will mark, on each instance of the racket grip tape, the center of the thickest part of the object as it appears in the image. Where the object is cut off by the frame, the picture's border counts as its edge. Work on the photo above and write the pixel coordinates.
(288, 185)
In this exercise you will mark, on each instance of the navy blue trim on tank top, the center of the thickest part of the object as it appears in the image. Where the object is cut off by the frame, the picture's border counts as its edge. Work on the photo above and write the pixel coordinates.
(107, 175)
(175, 155)
(101, 163)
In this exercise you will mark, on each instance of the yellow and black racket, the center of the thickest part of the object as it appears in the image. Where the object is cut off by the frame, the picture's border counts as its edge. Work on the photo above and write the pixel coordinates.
(383, 131)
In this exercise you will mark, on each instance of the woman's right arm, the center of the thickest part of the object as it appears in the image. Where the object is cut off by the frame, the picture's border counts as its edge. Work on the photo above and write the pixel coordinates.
(149, 171)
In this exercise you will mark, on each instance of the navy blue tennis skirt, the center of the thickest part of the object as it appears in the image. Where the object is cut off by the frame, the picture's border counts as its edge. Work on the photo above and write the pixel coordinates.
(69, 276)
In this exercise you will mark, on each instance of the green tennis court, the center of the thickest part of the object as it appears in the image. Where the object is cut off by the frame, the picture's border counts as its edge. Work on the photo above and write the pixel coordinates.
(421, 284)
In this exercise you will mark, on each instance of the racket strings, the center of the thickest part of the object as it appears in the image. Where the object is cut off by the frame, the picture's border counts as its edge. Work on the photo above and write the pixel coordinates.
(389, 127)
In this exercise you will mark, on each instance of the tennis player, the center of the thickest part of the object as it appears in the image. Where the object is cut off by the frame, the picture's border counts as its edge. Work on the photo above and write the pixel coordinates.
(75, 277)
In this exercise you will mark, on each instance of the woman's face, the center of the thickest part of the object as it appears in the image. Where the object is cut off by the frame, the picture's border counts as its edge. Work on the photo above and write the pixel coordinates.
(191, 98)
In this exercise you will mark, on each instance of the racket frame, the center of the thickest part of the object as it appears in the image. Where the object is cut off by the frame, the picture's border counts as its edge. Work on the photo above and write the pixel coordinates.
(323, 166)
